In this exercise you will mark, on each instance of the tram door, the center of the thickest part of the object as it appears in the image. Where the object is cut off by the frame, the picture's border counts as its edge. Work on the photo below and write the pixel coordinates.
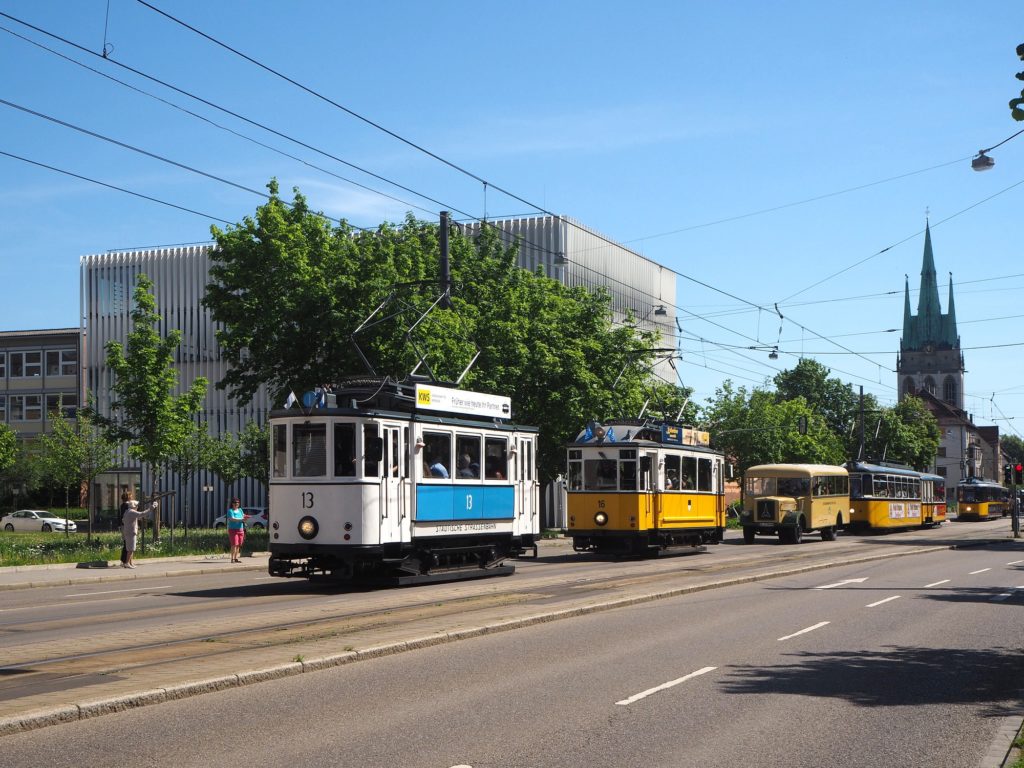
(647, 480)
(525, 482)
(393, 469)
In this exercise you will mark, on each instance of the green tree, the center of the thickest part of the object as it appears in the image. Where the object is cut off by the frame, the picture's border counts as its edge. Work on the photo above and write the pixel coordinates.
(8, 447)
(193, 454)
(905, 434)
(226, 460)
(289, 291)
(146, 414)
(1013, 447)
(1016, 105)
(254, 449)
(829, 398)
(74, 452)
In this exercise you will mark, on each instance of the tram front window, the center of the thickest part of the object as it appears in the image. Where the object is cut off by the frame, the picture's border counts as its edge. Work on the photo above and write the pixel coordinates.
(600, 474)
(344, 450)
(309, 450)
(280, 450)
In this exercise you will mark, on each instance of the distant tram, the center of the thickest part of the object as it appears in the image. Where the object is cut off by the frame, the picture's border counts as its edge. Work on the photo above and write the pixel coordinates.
(981, 499)
(894, 498)
(637, 487)
(401, 483)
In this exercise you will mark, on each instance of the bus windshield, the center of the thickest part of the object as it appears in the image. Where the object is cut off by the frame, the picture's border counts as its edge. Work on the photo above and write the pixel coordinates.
(778, 486)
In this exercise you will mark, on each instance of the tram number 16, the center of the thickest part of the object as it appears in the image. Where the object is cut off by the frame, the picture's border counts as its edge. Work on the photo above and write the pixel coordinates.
(307, 499)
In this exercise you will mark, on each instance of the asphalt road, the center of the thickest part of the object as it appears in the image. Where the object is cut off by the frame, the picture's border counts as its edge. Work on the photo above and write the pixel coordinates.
(916, 662)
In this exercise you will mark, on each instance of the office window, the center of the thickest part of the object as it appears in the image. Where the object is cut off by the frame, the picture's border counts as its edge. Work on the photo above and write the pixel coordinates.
(25, 365)
(3, 408)
(3, 365)
(26, 407)
(61, 362)
(67, 400)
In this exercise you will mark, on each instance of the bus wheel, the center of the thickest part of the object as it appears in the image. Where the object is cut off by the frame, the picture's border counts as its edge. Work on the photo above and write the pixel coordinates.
(797, 534)
(748, 534)
(829, 533)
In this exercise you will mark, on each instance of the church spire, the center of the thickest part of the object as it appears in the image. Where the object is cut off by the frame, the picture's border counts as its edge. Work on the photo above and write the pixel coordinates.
(929, 312)
(952, 336)
(908, 327)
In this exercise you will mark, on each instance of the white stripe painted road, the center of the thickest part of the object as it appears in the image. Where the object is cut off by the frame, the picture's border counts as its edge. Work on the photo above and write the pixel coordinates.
(886, 600)
(1016, 562)
(972, 573)
(843, 583)
(663, 686)
(804, 631)
(936, 583)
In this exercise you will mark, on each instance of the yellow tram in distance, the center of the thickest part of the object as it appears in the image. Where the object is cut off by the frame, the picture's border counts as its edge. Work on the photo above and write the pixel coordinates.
(793, 499)
(981, 499)
(894, 498)
(637, 487)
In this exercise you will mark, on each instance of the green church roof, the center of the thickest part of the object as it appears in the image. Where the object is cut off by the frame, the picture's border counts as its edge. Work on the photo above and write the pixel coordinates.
(929, 326)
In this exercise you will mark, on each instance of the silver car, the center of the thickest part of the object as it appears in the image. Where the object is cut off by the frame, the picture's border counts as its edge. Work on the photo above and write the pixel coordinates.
(35, 520)
(255, 517)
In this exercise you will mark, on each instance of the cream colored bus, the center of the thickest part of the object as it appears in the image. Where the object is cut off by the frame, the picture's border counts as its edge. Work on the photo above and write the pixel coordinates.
(793, 499)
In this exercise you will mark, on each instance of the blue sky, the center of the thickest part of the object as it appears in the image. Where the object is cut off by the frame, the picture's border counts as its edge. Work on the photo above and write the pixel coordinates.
(757, 148)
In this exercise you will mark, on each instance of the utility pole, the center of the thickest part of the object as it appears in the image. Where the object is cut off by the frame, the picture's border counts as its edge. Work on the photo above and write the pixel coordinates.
(446, 277)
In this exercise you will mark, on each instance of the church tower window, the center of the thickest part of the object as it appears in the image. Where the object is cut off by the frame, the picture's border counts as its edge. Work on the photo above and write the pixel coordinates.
(908, 386)
(929, 384)
(949, 393)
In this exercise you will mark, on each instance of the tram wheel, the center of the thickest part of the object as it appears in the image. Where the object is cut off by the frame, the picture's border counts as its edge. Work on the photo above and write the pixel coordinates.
(748, 534)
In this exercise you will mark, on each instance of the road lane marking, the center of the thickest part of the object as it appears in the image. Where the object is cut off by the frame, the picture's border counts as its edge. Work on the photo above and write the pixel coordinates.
(1016, 562)
(886, 600)
(644, 694)
(936, 583)
(115, 591)
(843, 583)
(972, 573)
(819, 625)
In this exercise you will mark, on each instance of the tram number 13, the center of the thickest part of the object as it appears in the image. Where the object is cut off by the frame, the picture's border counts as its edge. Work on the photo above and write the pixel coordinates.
(307, 499)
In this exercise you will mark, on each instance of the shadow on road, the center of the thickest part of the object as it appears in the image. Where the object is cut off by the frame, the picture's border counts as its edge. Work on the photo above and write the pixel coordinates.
(896, 676)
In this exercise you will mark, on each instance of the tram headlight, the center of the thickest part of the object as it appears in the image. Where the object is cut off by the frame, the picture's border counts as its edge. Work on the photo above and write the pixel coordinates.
(308, 527)
(601, 518)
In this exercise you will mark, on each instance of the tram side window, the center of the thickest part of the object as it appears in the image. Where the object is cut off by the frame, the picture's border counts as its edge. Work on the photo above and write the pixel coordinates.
(855, 492)
(395, 458)
(688, 476)
(881, 488)
(496, 458)
(575, 477)
(309, 450)
(280, 449)
(940, 490)
(672, 464)
(371, 451)
(600, 474)
(704, 482)
(344, 450)
(528, 459)
(467, 448)
(437, 454)
(627, 470)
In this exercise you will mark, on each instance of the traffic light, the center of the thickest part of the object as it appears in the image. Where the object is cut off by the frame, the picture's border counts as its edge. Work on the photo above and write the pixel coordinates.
(1007, 474)
(1018, 473)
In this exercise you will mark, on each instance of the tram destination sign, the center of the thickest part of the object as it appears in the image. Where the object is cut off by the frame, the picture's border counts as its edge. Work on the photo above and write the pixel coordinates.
(432, 398)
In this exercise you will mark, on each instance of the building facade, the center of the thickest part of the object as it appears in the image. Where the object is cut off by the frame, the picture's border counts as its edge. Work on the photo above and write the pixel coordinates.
(39, 373)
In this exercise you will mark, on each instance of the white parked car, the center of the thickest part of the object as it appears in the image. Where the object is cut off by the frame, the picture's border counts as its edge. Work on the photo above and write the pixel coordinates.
(255, 517)
(35, 520)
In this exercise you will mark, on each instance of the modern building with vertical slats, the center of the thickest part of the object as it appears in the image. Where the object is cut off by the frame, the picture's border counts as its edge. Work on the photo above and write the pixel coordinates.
(568, 251)
(577, 255)
(180, 275)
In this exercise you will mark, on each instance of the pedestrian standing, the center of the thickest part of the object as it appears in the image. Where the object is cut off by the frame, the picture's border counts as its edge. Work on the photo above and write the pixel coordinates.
(236, 529)
(130, 527)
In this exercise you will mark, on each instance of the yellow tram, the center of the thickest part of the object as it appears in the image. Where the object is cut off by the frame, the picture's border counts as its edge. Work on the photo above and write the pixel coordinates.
(894, 498)
(793, 499)
(981, 499)
(636, 487)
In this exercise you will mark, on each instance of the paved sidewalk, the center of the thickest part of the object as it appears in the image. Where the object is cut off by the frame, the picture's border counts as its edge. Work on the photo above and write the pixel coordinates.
(62, 574)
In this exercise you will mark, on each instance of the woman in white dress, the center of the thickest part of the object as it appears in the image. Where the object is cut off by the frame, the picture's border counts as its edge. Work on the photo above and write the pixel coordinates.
(130, 527)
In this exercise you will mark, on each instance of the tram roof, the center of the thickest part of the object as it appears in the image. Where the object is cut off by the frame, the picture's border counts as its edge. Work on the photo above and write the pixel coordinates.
(881, 469)
(784, 470)
(646, 432)
(981, 481)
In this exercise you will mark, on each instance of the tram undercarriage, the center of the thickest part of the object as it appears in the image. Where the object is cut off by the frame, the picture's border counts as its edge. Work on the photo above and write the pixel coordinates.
(646, 545)
(420, 563)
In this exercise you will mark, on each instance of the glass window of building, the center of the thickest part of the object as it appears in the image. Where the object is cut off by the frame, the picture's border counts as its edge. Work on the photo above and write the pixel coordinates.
(26, 407)
(67, 402)
(61, 362)
(25, 365)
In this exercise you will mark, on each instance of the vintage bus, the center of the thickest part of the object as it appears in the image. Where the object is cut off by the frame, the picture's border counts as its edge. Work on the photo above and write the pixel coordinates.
(789, 500)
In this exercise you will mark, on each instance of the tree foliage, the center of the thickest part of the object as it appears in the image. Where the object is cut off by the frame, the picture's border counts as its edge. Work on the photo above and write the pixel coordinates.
(1016, 110)
(8, 447)
(1013, 447)
(289, 291)
(74, 452)
(147, 414)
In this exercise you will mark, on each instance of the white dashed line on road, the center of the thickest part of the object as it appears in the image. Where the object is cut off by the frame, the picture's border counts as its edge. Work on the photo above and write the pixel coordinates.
(843, 583)
(116, 591)
(936, 583)
(1016, 562)
(644, 694)
(972, 573)
(886, 600)
(804, 631)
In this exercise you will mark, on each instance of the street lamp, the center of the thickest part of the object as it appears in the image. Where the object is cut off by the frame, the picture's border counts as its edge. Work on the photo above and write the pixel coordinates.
(982, 162)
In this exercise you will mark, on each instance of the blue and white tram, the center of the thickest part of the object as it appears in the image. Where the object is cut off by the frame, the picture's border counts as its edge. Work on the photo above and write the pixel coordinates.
(401, 483)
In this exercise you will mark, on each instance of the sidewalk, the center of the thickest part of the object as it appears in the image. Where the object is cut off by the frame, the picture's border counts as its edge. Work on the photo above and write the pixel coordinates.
(63, 574)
